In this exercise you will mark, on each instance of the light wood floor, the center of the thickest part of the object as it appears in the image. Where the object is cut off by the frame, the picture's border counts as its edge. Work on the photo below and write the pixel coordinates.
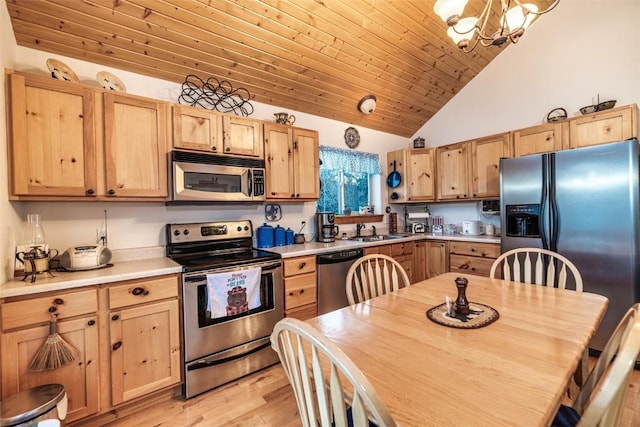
(265, 399)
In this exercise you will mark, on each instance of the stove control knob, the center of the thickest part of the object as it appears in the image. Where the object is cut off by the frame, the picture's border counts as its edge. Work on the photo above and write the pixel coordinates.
(176, 232)
(239, 228)
(246, 228)
(185, 232)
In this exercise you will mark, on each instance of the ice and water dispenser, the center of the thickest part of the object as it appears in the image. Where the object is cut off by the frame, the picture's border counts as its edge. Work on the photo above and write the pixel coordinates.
(523, 220)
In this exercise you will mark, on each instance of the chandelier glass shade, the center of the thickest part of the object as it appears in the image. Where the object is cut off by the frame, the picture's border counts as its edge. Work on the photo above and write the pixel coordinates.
(468, 32)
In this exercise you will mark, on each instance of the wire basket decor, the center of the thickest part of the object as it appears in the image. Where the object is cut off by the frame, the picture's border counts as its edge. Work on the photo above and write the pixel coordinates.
(214, 94)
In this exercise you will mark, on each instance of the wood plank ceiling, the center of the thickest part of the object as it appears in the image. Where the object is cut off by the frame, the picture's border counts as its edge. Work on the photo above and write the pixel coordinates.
(320, 57)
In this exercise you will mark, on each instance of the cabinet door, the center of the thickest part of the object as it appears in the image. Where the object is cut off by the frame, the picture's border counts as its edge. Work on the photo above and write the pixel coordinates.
(52, 150)
(419, 270)
(420, 174)
(242, 136)
(135, 132)
(145, 350)
(306, 164)
(299, 290)
(605, 126)
(79, 378)
(437, 259)
(278, 143)
(453, 172)
(197, 129)
(380, 249)
(485, 165)
(540, 139)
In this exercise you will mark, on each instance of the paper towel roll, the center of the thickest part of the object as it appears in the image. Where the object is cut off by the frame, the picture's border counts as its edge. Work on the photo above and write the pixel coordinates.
(417, 215)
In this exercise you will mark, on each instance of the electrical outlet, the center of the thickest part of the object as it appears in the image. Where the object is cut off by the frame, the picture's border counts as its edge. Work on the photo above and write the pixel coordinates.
(101, 235)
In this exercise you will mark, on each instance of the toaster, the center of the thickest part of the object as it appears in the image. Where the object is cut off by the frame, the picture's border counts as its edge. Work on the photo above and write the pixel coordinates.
(85, 257)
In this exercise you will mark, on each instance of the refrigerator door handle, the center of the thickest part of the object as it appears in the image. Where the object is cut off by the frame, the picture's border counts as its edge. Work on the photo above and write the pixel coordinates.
(553, 205)
(543, 202)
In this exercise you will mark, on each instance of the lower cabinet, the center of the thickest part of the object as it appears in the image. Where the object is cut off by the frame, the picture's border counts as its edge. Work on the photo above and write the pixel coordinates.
(401, 252)
(24, 330)
(437, 258)
(127, 335)
(144, 332)
(300, 287)
(473, 258)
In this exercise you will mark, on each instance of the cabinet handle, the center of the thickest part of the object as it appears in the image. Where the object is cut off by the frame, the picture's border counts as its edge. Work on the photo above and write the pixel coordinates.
(115, 317)
(297, 195)
(58, 301)
(293, 195)
(90, 191)
(91, 322)
(111, 192)
(301, 291)
(302, 265)
(214, 148)
(227, 149)
(140, 291)
(464, 266)
(473, 250)
(53, 309)
(117, 345)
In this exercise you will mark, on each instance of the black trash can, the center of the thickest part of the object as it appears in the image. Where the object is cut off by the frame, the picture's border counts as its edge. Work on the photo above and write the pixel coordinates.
(44, 402)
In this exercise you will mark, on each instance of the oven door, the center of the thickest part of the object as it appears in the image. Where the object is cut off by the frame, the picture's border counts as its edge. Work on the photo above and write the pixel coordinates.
(206, 182)
(205, 335)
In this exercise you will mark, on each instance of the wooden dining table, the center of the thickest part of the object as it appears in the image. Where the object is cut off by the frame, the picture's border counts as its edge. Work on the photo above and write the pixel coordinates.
(512, 372)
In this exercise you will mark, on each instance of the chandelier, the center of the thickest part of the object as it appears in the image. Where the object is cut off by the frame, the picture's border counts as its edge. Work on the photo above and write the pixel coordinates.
(467, 33)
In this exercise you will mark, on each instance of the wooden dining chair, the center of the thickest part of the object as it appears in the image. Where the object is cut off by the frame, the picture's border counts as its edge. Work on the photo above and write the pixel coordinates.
(600, 401)
(538, 266)
(329, 388)
(374, 275)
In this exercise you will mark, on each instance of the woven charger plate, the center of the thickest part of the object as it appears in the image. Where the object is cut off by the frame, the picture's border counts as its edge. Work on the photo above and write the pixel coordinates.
(479, 315)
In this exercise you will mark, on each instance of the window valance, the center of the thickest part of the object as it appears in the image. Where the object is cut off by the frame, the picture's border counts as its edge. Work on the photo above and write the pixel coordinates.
(349, 161)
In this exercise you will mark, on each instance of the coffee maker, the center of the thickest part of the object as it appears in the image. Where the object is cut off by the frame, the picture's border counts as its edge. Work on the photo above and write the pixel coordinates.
(327, 230)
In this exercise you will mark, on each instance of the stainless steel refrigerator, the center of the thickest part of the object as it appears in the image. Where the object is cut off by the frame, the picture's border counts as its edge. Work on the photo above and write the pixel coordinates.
(583, 204)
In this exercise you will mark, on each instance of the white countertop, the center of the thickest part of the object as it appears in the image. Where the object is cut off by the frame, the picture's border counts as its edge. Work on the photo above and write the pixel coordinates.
(122, 270)
(314, 248)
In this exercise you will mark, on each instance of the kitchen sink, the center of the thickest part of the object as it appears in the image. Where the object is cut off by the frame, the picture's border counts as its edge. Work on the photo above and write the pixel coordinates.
(377, 238)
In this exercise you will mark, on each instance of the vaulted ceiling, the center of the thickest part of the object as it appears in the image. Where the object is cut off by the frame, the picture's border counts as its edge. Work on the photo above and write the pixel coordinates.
(320, 57)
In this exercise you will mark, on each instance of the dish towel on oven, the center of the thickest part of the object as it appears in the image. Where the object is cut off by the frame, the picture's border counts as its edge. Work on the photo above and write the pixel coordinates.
(234, 292)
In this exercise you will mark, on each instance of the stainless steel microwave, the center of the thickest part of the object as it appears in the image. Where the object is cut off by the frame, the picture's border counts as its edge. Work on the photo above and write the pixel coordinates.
(198, 177)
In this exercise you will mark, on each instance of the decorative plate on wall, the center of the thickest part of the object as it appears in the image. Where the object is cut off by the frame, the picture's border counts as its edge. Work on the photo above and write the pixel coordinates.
(351, 137)
(61, 71)
(110, 82)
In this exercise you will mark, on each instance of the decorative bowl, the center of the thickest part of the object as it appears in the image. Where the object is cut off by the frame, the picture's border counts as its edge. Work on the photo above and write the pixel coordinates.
(605, 105)
(589, 109)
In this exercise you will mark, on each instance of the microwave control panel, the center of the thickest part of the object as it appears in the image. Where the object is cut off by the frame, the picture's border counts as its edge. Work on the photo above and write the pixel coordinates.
(258, 182)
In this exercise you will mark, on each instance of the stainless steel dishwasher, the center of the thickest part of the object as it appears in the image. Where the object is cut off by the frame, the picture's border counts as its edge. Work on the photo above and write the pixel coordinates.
(332, 275)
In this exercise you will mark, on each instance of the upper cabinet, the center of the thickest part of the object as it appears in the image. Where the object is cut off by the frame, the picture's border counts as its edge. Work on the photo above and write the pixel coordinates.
(485, 164)
(416, 169)
(541, 139)
(603, 127)
(453, 171)
(72, 142)
(204, 130)
(292, 161)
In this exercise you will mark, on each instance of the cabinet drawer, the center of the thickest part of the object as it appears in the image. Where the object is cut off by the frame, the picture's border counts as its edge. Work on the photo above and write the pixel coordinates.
(299, 290)
(36, 310)
(300, 265)
(470, 264)
(303, 312)
(484, 250)
(143, 291)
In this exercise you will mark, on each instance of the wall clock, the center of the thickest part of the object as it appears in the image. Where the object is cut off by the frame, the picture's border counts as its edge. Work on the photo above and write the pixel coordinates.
(351, 137)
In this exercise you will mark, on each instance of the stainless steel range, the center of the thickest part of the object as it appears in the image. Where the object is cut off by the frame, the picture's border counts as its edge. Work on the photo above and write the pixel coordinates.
(232, 297)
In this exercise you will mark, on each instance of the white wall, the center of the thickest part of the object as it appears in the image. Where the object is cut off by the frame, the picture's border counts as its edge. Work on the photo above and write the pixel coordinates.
(139, 225)
(580, 49)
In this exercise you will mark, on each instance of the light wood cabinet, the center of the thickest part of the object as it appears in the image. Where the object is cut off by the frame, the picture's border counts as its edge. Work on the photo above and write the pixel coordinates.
(401, 252)
(602, 127)
(541, 139)
(437, 258)
(453, 171)
(25, 328)
(417, 170)
(471, 257)
(73, 142)
(486, 153)
(300, 287)
(196, 129)
(135, 146)
(292, 161)
(242, 136)
(144, 337)
(471, 169)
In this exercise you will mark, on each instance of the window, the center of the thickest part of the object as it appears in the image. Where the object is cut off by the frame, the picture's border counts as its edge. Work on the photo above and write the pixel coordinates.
(345, 179)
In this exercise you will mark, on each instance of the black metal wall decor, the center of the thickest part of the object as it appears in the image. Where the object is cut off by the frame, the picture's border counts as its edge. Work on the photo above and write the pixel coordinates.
(214, 94)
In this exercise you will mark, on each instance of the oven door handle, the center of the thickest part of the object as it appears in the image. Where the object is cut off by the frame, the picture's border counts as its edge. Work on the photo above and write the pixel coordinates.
(206, 363)
(202, 277)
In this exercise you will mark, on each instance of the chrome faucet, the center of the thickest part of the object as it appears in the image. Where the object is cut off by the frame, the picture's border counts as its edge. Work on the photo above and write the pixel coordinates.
(359, 227)
(373, 230)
